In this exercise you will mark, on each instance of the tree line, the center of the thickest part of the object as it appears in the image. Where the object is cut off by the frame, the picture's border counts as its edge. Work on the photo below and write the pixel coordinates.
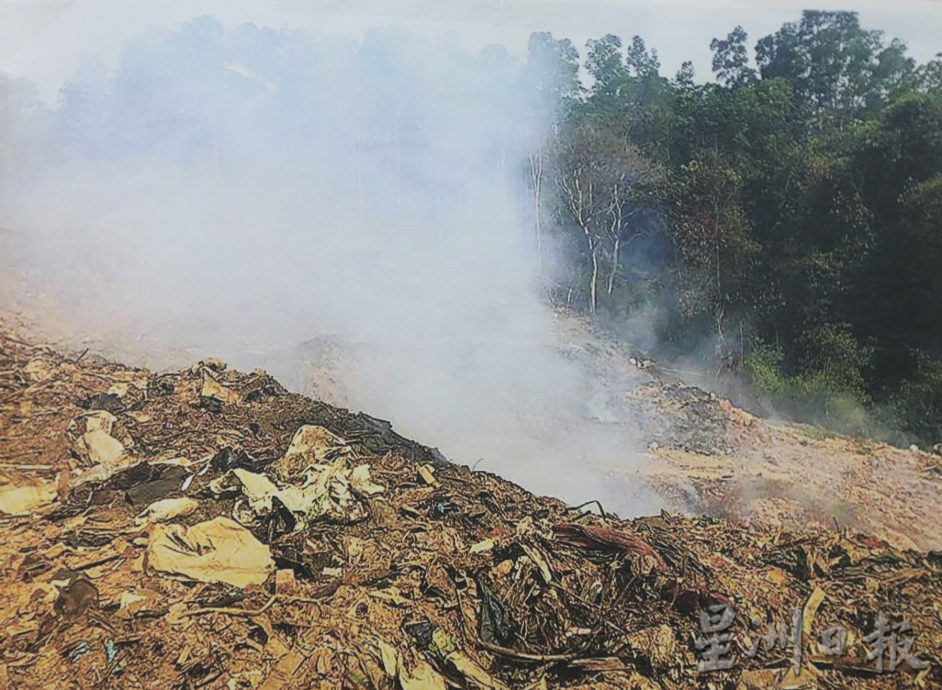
(781, 222)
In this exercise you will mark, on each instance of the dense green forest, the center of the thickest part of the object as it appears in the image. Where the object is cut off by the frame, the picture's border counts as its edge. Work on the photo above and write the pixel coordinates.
(781, 223)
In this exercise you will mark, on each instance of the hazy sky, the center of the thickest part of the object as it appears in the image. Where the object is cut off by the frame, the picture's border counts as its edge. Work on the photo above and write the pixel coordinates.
(43, 40)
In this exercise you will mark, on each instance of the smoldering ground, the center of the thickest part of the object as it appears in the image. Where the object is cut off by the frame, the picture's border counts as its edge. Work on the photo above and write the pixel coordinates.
(244, 191)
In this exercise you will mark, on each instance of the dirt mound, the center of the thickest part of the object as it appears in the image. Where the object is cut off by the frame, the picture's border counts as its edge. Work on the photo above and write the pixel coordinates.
(208, 529)
(708, 456)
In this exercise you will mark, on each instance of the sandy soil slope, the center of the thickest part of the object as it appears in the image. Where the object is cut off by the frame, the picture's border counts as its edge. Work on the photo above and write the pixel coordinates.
(207, 529)
(705, 456)
(791, 475)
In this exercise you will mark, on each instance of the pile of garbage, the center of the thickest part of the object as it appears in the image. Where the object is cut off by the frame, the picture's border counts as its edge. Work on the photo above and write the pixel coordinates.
(209, 529)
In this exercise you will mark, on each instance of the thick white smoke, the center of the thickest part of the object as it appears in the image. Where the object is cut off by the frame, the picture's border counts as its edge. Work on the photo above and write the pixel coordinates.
(242, 192)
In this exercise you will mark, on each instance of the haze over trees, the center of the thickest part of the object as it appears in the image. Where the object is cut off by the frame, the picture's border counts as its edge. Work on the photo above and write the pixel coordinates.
(779, 221)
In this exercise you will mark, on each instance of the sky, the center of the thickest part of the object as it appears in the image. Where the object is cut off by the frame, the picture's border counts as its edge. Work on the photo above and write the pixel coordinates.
(45, 40)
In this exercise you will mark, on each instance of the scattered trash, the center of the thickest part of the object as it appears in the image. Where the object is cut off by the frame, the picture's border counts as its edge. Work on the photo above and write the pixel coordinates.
(421, 677)
(219, 550)
(142, 601)
(306, 546)
(109, 402)
(26, 497)
(210, 403)
(608, 539)
(312, 444)
(98, 447)
(213, 363)
(78, 651)
(166, 509)
(76, 596)
(329, 491)
(655, 646)
(229, 458)
(464, 665)
(212, 389)
(390, 658)
(421, 632)
(285, 582)
(427, 474)
(482, 546)
(111, 654)
(157, 481)
(94, 421)
(37, 371)
(494, 626)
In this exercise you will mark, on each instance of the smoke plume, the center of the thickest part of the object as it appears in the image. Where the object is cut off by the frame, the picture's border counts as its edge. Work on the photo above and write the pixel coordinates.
(351, 215)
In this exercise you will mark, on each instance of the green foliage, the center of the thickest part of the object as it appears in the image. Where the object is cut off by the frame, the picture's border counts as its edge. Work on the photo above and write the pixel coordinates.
(641, 63)
(731, 59)
(834, 363)
(763, 368)
(830, 389)
(928, 77)
(553, 68)
(800, 204)
(606, 66)
(916, 406)
(832, 63)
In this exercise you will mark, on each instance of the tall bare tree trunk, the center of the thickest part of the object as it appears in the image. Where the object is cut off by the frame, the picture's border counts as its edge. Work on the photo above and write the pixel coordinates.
(615, 229)
(579, 202)
(594, 297)
(594, 279)
(614, 271)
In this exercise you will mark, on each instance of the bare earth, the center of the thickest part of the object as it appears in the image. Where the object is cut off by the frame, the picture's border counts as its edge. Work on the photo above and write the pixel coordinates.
(705, 456)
